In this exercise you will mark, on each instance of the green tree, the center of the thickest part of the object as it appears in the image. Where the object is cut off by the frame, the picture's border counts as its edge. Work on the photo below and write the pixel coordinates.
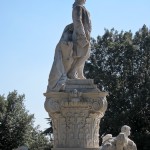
(39, 141)
(49, 131)
(120, 64)
(16, 125)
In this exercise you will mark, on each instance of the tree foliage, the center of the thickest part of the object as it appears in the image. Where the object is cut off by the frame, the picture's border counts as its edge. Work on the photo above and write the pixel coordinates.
(49, 131)
(16, 125)
(120, 64)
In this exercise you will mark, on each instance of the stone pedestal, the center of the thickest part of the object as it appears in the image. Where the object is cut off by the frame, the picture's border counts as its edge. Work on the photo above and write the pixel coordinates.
(76, 114)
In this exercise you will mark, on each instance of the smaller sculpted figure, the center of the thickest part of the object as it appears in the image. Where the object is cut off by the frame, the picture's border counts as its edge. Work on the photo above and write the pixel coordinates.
(130, 144)
(121, 142)
(72, 50)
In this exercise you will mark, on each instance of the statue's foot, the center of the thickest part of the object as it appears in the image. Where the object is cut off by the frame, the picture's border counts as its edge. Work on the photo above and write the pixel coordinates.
(72, 76)
(81, 77)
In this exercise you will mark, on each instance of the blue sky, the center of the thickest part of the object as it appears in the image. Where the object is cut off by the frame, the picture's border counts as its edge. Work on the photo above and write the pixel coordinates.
(30, 30)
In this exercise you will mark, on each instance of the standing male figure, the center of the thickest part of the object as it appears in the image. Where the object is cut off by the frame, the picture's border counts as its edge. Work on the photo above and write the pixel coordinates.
(81, 39)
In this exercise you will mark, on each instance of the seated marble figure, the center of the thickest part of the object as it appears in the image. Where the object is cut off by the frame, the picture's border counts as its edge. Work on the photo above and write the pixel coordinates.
(62, 61)
(121, 142)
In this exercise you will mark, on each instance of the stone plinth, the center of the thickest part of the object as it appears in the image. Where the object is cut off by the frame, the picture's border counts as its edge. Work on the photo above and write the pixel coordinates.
(76, 114)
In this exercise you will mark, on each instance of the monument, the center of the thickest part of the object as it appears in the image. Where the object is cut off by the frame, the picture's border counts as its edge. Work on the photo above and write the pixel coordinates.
(74, 103)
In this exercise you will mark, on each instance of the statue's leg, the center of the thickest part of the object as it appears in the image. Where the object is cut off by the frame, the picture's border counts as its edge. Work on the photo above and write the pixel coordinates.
(72, 73)
(76, 71)
(80, 71)
(81, 68)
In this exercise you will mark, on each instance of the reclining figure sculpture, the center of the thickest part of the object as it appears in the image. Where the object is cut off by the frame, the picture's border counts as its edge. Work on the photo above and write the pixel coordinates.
(121, 142)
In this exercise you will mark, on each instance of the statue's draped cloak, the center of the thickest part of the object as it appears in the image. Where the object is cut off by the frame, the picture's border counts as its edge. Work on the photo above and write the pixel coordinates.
(62, 60)
(57, 76)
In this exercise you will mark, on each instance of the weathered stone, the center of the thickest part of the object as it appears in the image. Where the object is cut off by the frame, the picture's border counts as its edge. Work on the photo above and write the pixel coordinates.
(81, 85)
(121, 142)
(76, 115)
(74, 103)
(72, 50)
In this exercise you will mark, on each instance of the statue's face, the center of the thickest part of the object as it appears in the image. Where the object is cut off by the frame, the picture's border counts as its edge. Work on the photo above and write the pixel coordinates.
(128, 132)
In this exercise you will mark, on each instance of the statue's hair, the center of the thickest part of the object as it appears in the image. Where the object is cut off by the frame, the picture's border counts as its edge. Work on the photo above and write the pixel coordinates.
(78, 1)
(125, 128)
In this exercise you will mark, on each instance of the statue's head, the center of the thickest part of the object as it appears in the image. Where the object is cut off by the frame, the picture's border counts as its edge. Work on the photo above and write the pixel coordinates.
(126, 130)
(80, 2)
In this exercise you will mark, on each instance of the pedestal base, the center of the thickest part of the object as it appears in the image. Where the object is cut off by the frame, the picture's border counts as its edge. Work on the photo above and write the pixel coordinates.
(76, 114)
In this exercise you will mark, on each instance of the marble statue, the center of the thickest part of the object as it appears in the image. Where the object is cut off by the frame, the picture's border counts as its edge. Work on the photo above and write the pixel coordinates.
(74, 103)
(72, 50)
(121, 142)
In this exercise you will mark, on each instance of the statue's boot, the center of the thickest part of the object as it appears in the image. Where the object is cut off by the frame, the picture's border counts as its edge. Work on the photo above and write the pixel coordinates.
(72, 75)
(77, 67)
(80, 72)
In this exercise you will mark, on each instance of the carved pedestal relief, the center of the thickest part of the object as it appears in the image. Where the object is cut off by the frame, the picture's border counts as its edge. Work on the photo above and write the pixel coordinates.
(76, 116)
